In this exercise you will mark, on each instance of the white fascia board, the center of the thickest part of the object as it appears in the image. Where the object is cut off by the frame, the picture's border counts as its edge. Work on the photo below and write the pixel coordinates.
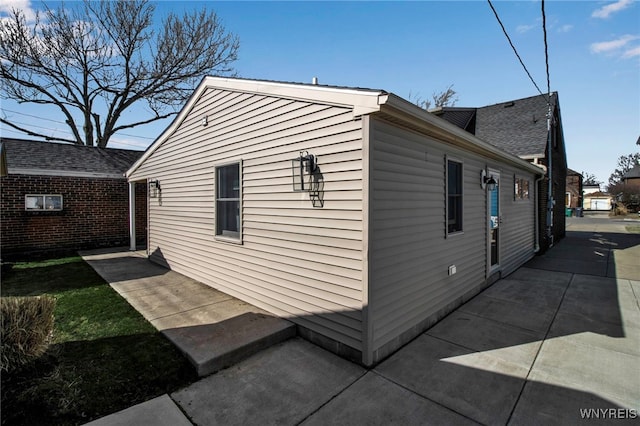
(362, 101)
(305, 92)
(456, 134)
(63, 173)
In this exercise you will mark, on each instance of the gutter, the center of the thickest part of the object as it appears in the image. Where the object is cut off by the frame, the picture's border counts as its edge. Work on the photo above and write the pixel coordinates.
(438, 127)
(458, 136)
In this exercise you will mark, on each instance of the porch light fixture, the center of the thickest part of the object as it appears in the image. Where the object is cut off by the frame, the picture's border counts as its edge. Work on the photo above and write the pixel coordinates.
(154, 188)
(302, 169)
(487, 182)
(204, 121)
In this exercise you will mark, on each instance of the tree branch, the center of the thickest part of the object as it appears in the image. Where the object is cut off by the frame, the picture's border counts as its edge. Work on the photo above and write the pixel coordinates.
(32, 133)
(98, 59)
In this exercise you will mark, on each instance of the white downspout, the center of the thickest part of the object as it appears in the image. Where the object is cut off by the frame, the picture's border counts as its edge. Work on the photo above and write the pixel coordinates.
(132, 216)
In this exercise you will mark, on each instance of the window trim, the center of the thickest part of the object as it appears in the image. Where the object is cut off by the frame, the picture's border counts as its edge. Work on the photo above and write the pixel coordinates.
(43, 209)
(220, 237)
(460, 231)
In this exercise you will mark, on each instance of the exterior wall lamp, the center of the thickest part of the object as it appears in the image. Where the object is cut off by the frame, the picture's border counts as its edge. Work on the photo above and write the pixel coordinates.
(487, 182)
(303, 168)
(154, 188)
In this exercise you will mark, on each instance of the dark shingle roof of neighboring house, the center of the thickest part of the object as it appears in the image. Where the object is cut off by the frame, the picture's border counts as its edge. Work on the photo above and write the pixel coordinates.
(634, 173)
(461, 117)
(47, 158)
(571, 172)
(518, 127)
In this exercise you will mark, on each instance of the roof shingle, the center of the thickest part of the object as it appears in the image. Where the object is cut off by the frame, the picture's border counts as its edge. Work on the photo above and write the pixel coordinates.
(518, 127)
(25, 154)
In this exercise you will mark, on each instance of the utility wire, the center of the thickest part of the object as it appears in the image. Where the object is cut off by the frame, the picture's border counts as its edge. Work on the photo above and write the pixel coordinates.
(61, 122)
(57, 131)
(514, 48)
(546, 50)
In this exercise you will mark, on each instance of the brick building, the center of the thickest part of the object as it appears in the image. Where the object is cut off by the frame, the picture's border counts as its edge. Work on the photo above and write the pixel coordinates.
(61, 198)
(573, 190)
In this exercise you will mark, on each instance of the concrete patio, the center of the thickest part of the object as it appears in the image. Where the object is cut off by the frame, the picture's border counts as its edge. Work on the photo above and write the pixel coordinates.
(213, 329)
(555, 339)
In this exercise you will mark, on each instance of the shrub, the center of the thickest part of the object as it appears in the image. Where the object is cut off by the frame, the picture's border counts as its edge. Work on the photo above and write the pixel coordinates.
(26, 329)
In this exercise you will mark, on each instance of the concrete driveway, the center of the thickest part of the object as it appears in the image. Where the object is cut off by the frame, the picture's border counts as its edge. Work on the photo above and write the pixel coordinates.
(556, 342)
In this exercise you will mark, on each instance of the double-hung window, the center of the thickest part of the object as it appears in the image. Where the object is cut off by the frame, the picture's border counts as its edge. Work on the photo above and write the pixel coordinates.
(454, 196)
(228, 194)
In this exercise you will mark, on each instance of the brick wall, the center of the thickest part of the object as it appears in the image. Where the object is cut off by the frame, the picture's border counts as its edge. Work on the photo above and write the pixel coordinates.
(95, 214)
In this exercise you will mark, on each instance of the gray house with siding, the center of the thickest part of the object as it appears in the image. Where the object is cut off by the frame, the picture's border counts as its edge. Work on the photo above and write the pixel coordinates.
(352, 212)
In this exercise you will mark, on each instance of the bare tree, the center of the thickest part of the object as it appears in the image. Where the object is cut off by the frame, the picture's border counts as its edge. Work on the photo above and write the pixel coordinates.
(625, 163)
(590, 179)
(444, 98)
(95, 60)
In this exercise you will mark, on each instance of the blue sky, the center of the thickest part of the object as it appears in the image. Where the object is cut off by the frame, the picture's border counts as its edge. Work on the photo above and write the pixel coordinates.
(416, 48)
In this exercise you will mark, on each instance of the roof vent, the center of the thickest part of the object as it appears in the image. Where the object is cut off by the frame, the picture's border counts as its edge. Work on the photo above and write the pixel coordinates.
(509, 104)
(314, 81)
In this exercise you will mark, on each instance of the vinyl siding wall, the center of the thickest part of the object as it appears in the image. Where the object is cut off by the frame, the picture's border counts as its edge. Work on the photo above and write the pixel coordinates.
(297, 261)
(409, 250)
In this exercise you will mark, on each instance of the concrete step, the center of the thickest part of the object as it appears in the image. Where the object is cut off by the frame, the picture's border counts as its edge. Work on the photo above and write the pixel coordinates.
(215, 346)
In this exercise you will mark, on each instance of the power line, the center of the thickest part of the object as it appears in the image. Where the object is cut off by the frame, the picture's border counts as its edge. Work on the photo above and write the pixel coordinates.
(514, 48)
(62, 122)
(546, 49)
(57, 131)
(43, 128)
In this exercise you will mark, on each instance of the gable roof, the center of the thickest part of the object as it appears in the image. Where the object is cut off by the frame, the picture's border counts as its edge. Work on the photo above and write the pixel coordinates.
(360, 101)
(57, 159)
(518, 126)
(597, 194)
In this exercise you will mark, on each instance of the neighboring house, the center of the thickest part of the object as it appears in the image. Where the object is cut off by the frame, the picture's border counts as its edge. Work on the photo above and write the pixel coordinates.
(520, 128)
(61, 197)
(573, 190)
(395, 223)
(631, 187)
(598, 201)
(632, 177)
(590, 189)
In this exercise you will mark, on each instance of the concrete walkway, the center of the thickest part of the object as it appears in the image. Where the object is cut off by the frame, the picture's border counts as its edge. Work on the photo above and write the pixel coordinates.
(213, 329)
(554, 342)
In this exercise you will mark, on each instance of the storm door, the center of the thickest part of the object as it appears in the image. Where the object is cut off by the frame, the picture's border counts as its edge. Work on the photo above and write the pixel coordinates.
(495, 219)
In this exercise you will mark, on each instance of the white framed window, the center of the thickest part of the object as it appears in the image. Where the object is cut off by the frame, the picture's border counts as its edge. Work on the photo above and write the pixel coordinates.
(228, 189)
(43, 202)
(454, 191)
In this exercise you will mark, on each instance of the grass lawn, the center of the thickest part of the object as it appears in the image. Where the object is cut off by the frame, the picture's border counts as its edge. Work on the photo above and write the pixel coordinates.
(105, 356)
